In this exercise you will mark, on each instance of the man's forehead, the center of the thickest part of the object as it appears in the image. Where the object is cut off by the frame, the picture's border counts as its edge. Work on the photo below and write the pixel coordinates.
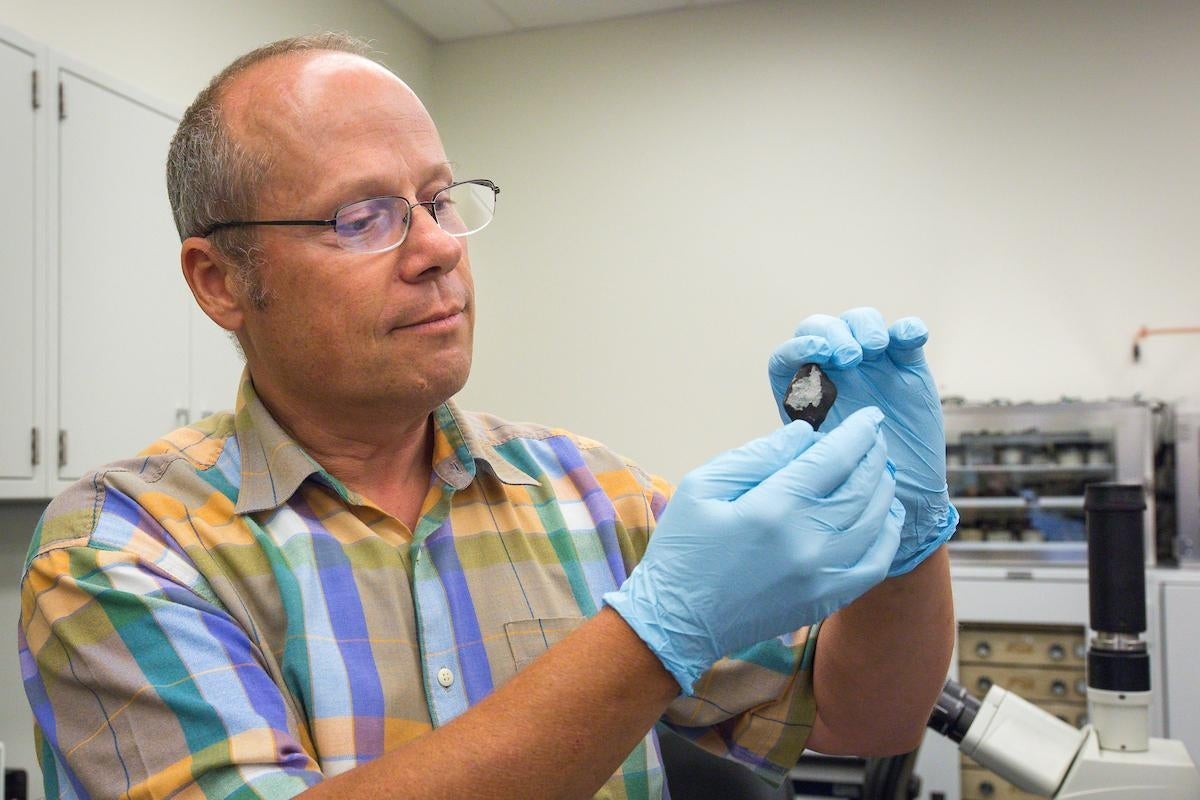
(314, 93)
(311, 115)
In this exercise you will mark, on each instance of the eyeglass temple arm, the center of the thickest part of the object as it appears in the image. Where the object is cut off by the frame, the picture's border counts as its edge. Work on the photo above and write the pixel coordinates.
(244, 223)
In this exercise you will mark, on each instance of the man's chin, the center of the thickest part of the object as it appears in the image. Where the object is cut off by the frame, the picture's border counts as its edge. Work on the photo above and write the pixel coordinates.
(445, 381)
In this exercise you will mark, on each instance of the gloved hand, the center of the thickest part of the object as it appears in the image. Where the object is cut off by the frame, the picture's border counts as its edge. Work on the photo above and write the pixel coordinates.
(762, 540)
(873, 365)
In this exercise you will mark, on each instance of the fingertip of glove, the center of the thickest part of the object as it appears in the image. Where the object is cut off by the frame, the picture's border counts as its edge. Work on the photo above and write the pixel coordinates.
(908, 333)
(794, 436)
(810, 347)
(869, 414)
(798, 428)
(847, 356)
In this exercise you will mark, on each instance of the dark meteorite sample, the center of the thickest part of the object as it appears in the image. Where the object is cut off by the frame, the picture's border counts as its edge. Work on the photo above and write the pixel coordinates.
(810, 395)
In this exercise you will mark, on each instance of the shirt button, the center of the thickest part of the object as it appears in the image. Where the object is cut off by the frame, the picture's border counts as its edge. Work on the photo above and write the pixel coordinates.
(445, 677)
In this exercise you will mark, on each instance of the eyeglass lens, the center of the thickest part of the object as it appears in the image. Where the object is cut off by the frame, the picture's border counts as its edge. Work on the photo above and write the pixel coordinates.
(380, 223)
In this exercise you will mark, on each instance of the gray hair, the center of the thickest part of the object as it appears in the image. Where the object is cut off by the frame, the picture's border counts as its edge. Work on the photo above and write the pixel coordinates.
(212, 177)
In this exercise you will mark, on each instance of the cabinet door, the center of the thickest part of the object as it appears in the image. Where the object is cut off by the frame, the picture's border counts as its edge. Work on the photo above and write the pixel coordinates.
(1181, 639)
(122, 326)
(20, 202)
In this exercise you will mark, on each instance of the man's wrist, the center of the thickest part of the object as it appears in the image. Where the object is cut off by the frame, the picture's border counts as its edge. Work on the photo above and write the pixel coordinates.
(643, 619)
(908, 561)
(645, 660)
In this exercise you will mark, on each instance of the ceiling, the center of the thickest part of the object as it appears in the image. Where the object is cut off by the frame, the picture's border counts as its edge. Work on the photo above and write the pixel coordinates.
(446, 21)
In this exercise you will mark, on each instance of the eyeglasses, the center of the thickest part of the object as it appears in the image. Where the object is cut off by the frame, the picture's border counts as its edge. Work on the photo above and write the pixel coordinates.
(378, 224)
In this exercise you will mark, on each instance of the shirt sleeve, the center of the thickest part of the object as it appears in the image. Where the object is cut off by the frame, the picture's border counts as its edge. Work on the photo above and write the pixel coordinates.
(142, 685)
(756, 706)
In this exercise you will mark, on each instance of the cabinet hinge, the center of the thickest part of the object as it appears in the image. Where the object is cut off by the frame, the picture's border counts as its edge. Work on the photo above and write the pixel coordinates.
(62, 102)
(37, 103)
(35, 452)
(62, 448)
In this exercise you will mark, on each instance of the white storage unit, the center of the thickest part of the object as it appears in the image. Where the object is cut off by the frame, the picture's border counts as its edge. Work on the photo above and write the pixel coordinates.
(1187, 483)
(1179, 598)
(1017, 474)
(23, 150)
(110, 350)
(121, 333)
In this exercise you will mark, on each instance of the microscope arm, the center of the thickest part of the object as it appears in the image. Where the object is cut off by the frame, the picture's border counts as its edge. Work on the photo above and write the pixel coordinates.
(1028, 747)
(1037, 752)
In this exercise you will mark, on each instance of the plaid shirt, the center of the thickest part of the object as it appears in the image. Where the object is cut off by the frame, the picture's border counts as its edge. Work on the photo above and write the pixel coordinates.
(222, 617)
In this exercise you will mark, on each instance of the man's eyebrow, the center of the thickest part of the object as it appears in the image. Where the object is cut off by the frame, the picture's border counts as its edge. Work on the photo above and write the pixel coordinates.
(441, 176)
(360, 187)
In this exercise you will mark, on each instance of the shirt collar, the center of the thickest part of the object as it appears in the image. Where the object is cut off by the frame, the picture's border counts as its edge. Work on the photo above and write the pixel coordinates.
(460, 442)
(274, 464)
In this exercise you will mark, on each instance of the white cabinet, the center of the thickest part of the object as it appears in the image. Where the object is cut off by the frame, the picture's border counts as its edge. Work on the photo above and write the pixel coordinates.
(122, 315)
(104, 348)
(1181, 646)
(22, 209)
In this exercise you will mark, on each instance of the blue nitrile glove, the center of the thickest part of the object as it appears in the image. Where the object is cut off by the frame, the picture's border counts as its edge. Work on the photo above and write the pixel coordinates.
(763, 540)
(873, 365)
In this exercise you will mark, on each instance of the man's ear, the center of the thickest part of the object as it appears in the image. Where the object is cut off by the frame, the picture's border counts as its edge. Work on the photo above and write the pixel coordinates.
(214, 283)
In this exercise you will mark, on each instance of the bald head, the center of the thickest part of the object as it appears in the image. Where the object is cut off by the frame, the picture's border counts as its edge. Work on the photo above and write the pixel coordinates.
(308, 112)
(212, 175)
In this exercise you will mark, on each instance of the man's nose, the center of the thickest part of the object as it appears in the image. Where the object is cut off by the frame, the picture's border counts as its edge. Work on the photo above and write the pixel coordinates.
(427, 251)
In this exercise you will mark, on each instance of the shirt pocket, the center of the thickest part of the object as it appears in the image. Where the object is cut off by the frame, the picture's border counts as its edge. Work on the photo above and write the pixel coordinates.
(529, 638)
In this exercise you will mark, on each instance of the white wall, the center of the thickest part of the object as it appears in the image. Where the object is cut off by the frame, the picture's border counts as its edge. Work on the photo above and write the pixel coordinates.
(171, 48)
(680, 190)
(168, 49)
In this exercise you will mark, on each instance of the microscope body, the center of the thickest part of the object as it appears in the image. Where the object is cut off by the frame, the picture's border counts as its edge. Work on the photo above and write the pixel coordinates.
(1041, 754)
(1163, 771)
(1114, 757)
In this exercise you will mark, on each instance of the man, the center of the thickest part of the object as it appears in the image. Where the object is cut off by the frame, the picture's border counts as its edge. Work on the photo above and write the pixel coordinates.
(351, 587)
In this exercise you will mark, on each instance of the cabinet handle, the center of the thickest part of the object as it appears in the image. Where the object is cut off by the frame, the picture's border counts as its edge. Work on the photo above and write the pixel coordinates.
(35, 452)
(62, 448)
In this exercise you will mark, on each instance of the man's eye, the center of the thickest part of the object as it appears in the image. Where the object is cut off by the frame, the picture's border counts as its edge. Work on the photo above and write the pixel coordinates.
(360, 222)
(365, 218)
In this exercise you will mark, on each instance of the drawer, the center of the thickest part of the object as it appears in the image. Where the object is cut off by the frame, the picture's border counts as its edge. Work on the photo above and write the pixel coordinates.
(982, 784)
(1032, 683)
(1041, 646)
